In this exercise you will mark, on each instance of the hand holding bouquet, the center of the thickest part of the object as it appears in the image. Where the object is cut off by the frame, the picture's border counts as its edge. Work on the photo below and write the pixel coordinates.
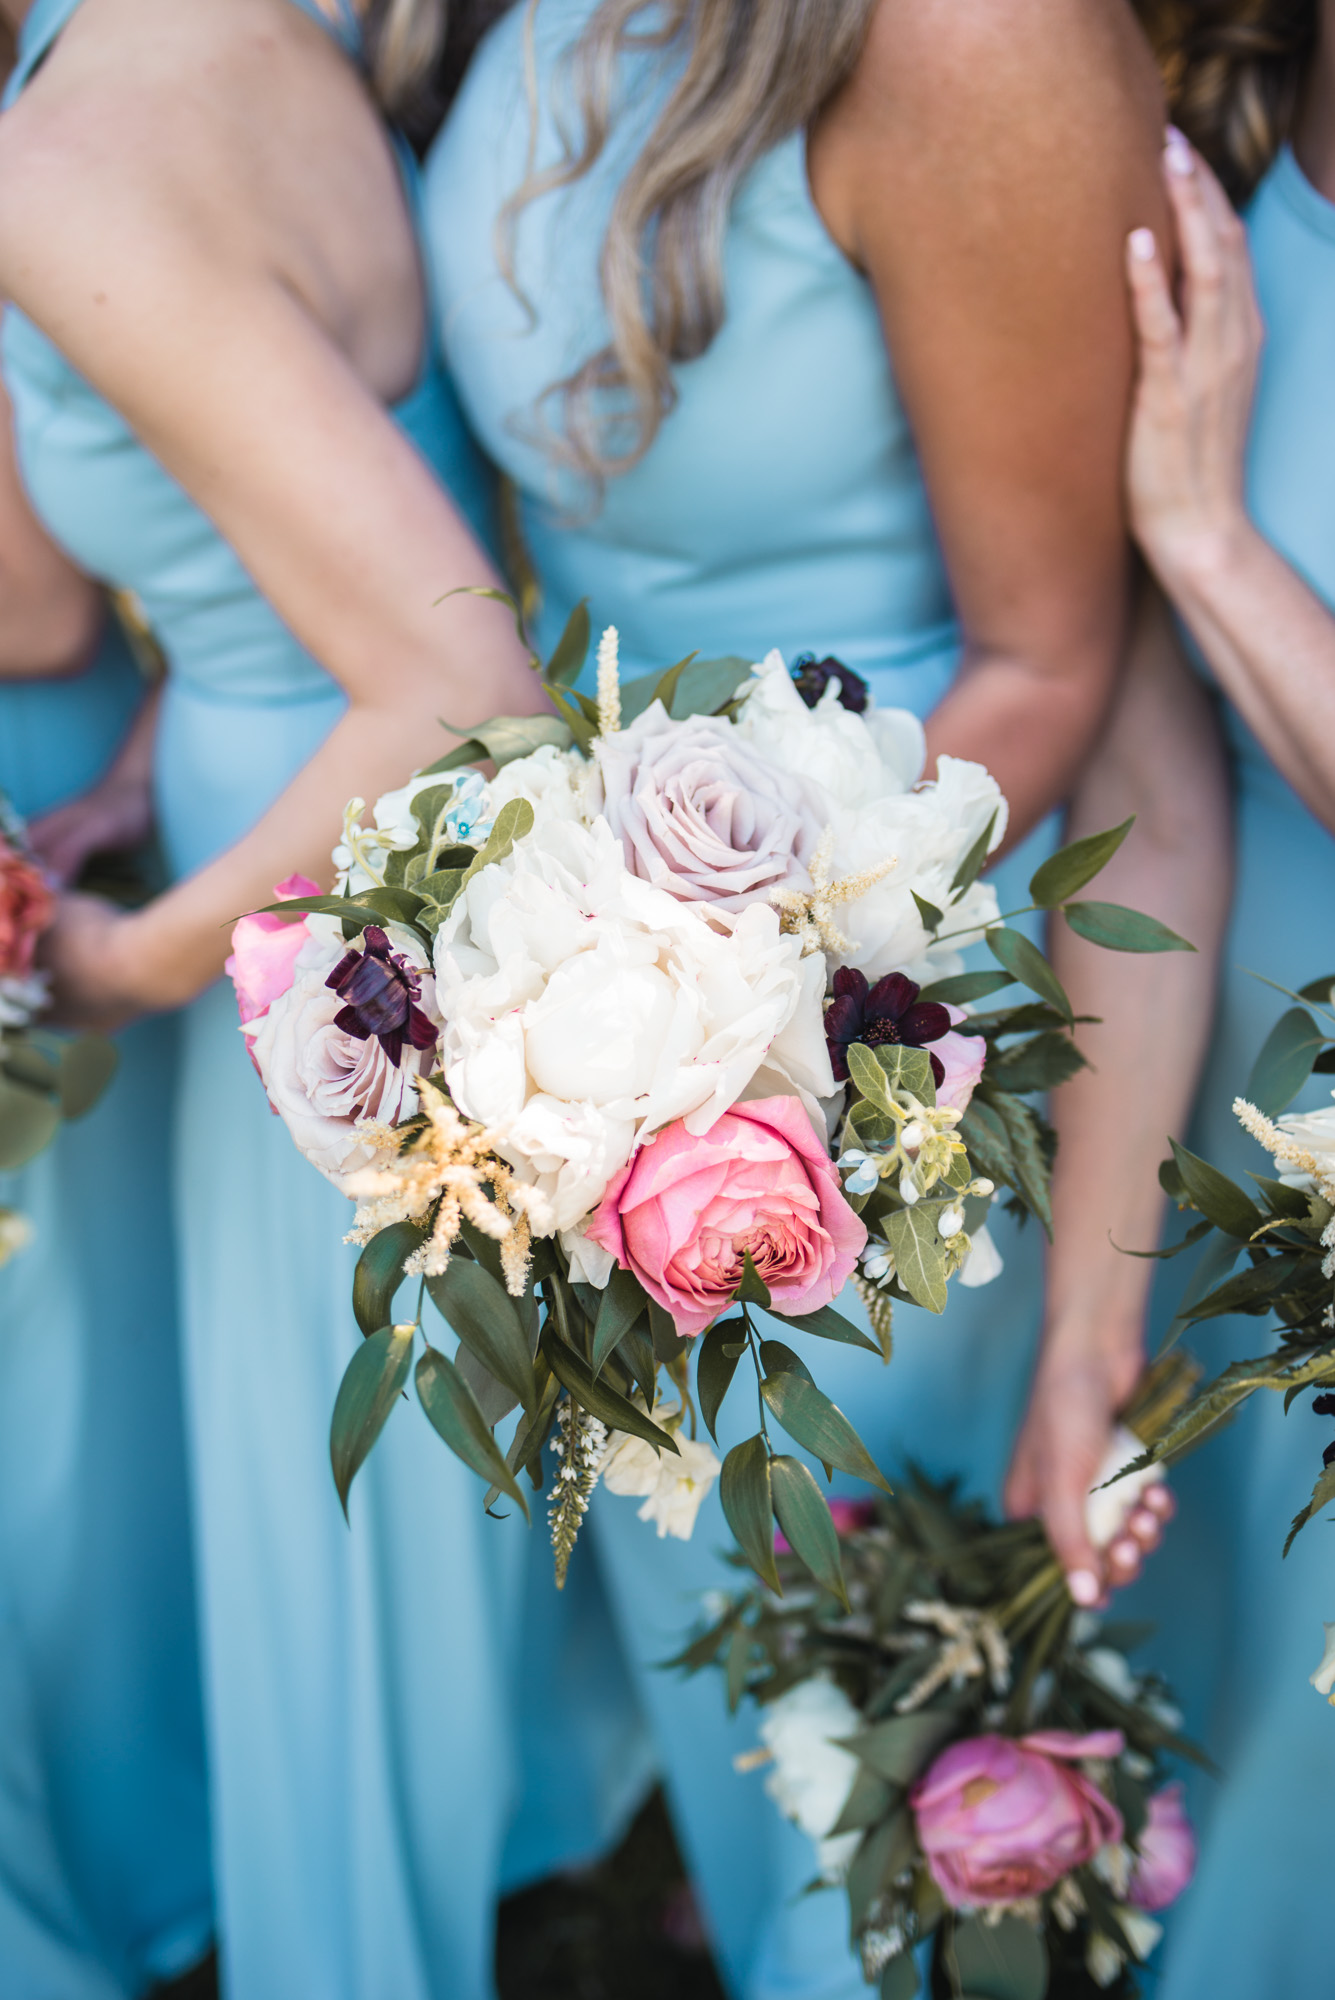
(977, 1763)
(42, 1080)
(660, 1026)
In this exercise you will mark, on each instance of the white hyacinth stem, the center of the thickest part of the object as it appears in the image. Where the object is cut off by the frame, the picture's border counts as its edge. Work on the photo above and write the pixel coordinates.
(609, 684)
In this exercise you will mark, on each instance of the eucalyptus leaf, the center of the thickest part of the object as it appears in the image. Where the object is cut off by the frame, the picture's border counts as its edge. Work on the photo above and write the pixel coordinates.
(919, 1254)
(1025, 962)
(379, 1273)
(581, 729)
(715, 1368)
(744, 1489)
(86, 1068)
(596, 1396)
(808, 1526)
(1119, 929)
(1285, 1062)
(483, 1315)
(883, 1855)
(452, 1411)
(371, 1385)
(809, 1417)
(1072, 866)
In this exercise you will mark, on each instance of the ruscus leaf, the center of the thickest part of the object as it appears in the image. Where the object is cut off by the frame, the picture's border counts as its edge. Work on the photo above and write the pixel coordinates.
(827, 1324)
(453, 1414)
(1285, 1062)
(1072, 866)
(804, 1516)
(623, 1302)
(715, 1368)
(483, 1315)
(809, 1417)
(1119, 929)
(1216, 1196)
(571, 650)
(379, 1273)
(371, 1385)
(744, 1489)
(1025, 962)
(598, 1398)
(86, 1068)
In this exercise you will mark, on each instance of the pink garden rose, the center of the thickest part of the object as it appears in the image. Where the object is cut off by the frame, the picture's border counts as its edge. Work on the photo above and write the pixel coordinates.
(1000, 1820)
(264, 951)
(26, 908)
(685, 1209)
(962, 1058)
(1166, 1853)
(702, 814)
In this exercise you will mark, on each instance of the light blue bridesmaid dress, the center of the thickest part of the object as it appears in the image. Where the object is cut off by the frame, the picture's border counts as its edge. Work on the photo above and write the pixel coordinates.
(1239, 1629)
(360, 1688)
(781, 504)
(104, 1847)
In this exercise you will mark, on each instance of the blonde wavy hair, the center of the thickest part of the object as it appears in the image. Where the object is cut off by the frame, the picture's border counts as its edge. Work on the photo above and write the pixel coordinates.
(1233, 72)
(417, 51)
(750, 72)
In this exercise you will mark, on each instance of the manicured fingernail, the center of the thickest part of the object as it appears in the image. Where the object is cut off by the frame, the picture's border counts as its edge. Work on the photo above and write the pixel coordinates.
(1124, 1553)
(1177, 154)
(1084, 1587)
(1142, 245)
(1159, 1499)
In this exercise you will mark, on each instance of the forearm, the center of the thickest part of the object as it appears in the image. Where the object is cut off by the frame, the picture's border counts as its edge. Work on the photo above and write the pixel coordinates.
(177, 945)
(1271, 643)
(1160, 758)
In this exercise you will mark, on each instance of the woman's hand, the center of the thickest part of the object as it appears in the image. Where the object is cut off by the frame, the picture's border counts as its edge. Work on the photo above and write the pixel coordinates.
(1061, 1454)
(1196, 376)
(113, 818)
(99, 979)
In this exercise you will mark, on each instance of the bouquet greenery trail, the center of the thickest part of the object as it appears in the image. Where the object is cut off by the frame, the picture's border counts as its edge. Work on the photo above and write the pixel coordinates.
(660, 1025)
(977, 1763)
(44, 1078)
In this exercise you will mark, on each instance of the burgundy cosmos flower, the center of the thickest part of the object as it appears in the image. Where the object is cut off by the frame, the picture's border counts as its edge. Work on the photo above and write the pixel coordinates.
(889, 1011)
(381, 991)
(811, 677)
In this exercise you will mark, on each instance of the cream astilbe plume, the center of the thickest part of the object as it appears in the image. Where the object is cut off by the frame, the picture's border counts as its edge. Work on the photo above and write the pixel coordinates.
(809, 914)
(1290, 1153)
(446, 1161)
(609, 683)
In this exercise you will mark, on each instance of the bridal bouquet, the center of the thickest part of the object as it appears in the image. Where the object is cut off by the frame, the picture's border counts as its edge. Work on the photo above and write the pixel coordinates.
(42, 1080)
(976, 1762)
(660, 1026)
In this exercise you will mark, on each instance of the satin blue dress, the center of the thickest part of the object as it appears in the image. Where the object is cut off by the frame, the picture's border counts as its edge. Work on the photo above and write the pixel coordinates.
(104, 1848)
(1239, 1629)
(781, 504)
(364, 1691)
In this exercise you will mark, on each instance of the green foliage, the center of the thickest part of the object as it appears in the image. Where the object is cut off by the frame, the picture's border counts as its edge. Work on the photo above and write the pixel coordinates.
(963, 988)
(1218, 1198)
(595, 1394)
(804, 1516)
(827, 1324)
(371, 1385)
(1040, 1063)
(752, 1291)
(899, 1980)
(1120, 929)
(29, 1120)
(1026, 963)
(571, 650)
(720, 1350)
(87, 1066)
(1072, 866)
(744, 1489)
(487, 1321)
(1005, 1961)
(972, 865)
(809, 1417)
(931, 916)
(919, 1253)
(1285, 1062)
(379, 1273)
(622, 1303)
(453, 1413)
(1323, 1493)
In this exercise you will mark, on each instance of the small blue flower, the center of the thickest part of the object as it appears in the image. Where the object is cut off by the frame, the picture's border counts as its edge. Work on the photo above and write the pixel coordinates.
(865, 1171)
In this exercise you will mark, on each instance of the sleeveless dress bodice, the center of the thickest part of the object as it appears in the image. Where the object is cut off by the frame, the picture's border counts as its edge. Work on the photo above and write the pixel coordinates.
(781, 503)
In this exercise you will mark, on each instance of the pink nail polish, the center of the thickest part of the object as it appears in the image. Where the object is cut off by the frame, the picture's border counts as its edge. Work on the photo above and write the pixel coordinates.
(1178, 155)
(1142, 245)
(1124, 1553)
(1159, 1500)
(1084, 1587)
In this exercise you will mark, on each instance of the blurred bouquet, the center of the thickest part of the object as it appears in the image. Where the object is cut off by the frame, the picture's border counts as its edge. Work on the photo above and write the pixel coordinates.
(976, 1762)
(42, 1079)
(662, 1022)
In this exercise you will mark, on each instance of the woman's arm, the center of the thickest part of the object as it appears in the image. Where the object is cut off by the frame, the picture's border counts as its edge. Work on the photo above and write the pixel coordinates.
(1267, 635)
(50, 613)
(114, 815)
(984, 167)
(198, 269)
(1160, 757)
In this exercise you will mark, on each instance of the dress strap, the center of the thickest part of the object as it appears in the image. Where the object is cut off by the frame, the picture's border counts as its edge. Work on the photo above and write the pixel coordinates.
(338, 18)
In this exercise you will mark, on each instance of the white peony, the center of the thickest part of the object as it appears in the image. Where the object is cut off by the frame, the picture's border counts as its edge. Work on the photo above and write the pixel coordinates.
(555, 783)
(672, 1488)
(1323, 1680)
(587, 1010)
(324, 1082)
(812, 1775)
(1314, 1131)
(828, 745)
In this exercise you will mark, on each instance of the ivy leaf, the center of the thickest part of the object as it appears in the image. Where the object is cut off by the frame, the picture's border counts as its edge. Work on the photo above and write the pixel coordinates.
(371, 1385)
(598, 1397)
(1072, 866)
(715, 1368)
(483, 1315)
(1025, 962)
(379, 1273)
(1119, 929)
(804, 1516)
(744, 1489)
(808, 1416)
(1285, 1062)
(453, 1414)
(919, 1254)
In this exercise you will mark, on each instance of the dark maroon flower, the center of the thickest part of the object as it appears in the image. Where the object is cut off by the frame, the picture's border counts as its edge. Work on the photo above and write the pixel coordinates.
(889, 1011)
(811, 677)
(381, 990)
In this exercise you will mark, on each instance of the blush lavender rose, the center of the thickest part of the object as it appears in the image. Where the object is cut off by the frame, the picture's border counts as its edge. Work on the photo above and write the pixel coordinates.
(891, 1012)
(1001, 1819)
(704, 816)
(686, 1209)
(1165, 1852)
